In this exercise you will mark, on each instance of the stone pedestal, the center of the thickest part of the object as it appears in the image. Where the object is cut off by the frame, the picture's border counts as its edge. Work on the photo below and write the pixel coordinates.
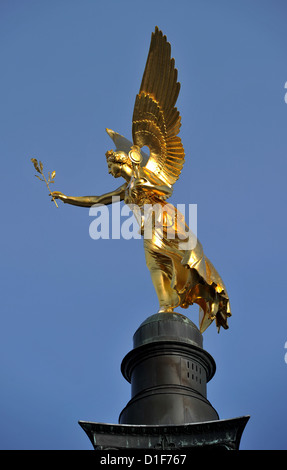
(168, 370)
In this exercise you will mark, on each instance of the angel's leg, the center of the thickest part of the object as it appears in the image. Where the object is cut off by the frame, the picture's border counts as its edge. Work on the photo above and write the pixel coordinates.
(159, 267)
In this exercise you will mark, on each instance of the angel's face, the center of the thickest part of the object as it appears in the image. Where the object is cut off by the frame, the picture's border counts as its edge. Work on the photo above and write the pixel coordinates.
(115, 169)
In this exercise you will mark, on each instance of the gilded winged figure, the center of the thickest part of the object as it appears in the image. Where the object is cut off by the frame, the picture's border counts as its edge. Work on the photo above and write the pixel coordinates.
(181, 276)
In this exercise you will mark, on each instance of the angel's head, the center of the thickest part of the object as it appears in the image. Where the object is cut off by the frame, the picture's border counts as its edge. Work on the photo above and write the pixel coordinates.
(119, 164)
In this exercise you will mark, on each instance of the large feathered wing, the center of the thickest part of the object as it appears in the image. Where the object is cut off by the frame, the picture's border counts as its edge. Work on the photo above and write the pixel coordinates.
(156, 120)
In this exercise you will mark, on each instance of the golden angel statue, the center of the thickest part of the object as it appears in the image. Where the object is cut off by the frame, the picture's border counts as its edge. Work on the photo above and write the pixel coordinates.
(181, 277)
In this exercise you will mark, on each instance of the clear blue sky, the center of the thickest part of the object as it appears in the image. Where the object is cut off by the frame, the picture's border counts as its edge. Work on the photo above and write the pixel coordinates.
(69, 304)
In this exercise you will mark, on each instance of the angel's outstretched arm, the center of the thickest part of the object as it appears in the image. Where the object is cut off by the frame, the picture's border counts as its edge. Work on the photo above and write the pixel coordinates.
(88, 201)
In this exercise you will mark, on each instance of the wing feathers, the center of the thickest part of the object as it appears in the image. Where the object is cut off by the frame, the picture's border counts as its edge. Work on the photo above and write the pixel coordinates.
(156, 120)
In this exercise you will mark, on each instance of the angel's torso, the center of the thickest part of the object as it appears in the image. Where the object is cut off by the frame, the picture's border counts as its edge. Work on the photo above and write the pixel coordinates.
(141, 199)
(139, 195)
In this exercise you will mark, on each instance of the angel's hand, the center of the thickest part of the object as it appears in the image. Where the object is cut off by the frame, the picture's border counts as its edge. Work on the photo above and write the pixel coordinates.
(58, 195)
(138, 185)
(141, 182)
(147, 185)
